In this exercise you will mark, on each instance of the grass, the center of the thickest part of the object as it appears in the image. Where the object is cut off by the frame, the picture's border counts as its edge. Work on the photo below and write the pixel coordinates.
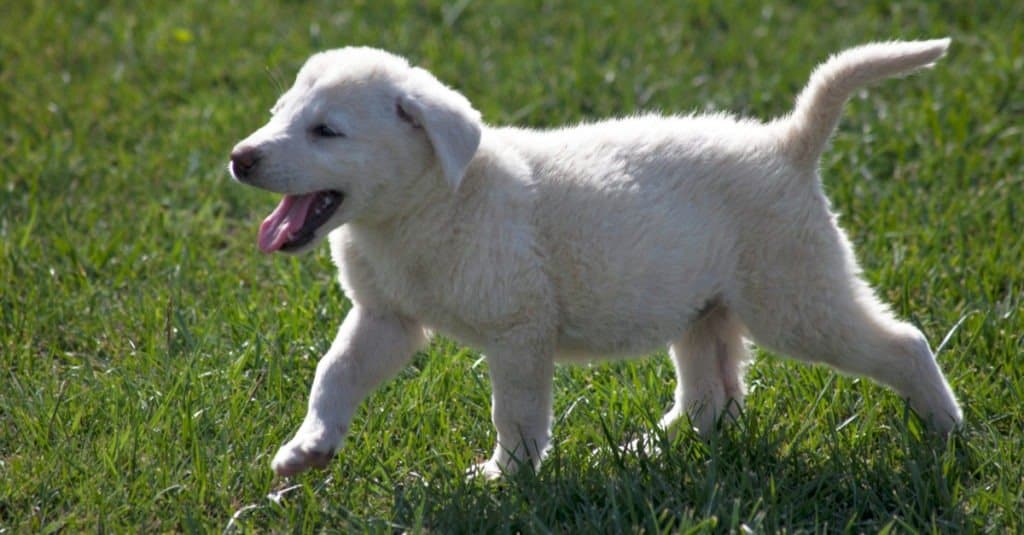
(152, 361)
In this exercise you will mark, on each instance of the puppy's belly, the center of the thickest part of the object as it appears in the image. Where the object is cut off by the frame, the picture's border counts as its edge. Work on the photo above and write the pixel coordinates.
(575, 349)
(628, 328)
(634, 304)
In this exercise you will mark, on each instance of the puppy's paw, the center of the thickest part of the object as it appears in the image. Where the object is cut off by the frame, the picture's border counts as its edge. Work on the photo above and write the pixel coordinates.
(946, 421)
(488, 471)
(305, 451)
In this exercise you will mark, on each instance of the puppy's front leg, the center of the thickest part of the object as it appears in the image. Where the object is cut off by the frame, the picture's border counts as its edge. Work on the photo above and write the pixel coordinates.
(521, 381)
(369, 348)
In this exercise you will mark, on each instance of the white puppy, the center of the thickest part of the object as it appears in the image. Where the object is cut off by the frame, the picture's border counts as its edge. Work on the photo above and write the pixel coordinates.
(603, 239)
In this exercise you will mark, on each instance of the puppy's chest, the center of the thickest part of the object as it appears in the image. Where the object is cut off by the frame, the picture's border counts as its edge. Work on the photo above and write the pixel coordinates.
(433, 289)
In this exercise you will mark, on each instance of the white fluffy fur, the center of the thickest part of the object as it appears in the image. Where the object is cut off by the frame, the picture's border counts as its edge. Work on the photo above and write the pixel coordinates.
(604, 239)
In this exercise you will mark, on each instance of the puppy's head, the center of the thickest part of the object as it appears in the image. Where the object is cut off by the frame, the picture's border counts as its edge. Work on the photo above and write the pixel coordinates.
(357, 135)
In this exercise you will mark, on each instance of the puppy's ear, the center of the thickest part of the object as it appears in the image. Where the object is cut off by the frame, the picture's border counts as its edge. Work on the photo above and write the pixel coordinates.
(449, 120)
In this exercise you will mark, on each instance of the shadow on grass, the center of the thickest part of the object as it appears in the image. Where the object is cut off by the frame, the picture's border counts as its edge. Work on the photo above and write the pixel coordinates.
(742, 478)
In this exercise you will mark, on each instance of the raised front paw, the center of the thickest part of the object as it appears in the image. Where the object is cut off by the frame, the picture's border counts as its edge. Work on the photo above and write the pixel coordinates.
(305, 451)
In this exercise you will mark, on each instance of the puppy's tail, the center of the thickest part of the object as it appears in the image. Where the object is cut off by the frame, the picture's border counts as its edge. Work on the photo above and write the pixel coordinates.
(807, 129)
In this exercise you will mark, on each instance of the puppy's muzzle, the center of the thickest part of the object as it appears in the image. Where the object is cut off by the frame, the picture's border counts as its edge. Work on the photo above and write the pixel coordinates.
(243, 163)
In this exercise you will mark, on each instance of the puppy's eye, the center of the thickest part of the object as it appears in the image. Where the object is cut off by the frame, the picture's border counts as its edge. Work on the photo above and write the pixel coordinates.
(322, 130)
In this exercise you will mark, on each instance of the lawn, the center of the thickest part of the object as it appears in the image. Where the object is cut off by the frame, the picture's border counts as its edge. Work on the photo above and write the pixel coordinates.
(152, 361)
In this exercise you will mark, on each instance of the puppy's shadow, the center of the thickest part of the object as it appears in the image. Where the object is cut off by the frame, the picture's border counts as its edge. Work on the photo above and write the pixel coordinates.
(741, 478)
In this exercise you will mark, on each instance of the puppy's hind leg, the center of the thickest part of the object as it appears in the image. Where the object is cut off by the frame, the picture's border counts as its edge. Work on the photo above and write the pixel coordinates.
(897, 354)
(850, 330)
(709, 359)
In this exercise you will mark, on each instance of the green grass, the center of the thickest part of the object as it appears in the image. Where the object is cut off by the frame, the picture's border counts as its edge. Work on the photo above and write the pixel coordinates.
(151, 361)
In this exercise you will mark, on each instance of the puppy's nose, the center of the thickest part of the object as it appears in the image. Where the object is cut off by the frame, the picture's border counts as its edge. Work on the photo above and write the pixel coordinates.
(243, 161)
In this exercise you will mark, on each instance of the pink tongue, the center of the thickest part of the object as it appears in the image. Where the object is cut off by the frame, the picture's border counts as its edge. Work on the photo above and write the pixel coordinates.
(285, 221)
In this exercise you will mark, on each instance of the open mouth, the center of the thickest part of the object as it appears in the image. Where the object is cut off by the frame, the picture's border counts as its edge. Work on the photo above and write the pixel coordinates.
(295, 220)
